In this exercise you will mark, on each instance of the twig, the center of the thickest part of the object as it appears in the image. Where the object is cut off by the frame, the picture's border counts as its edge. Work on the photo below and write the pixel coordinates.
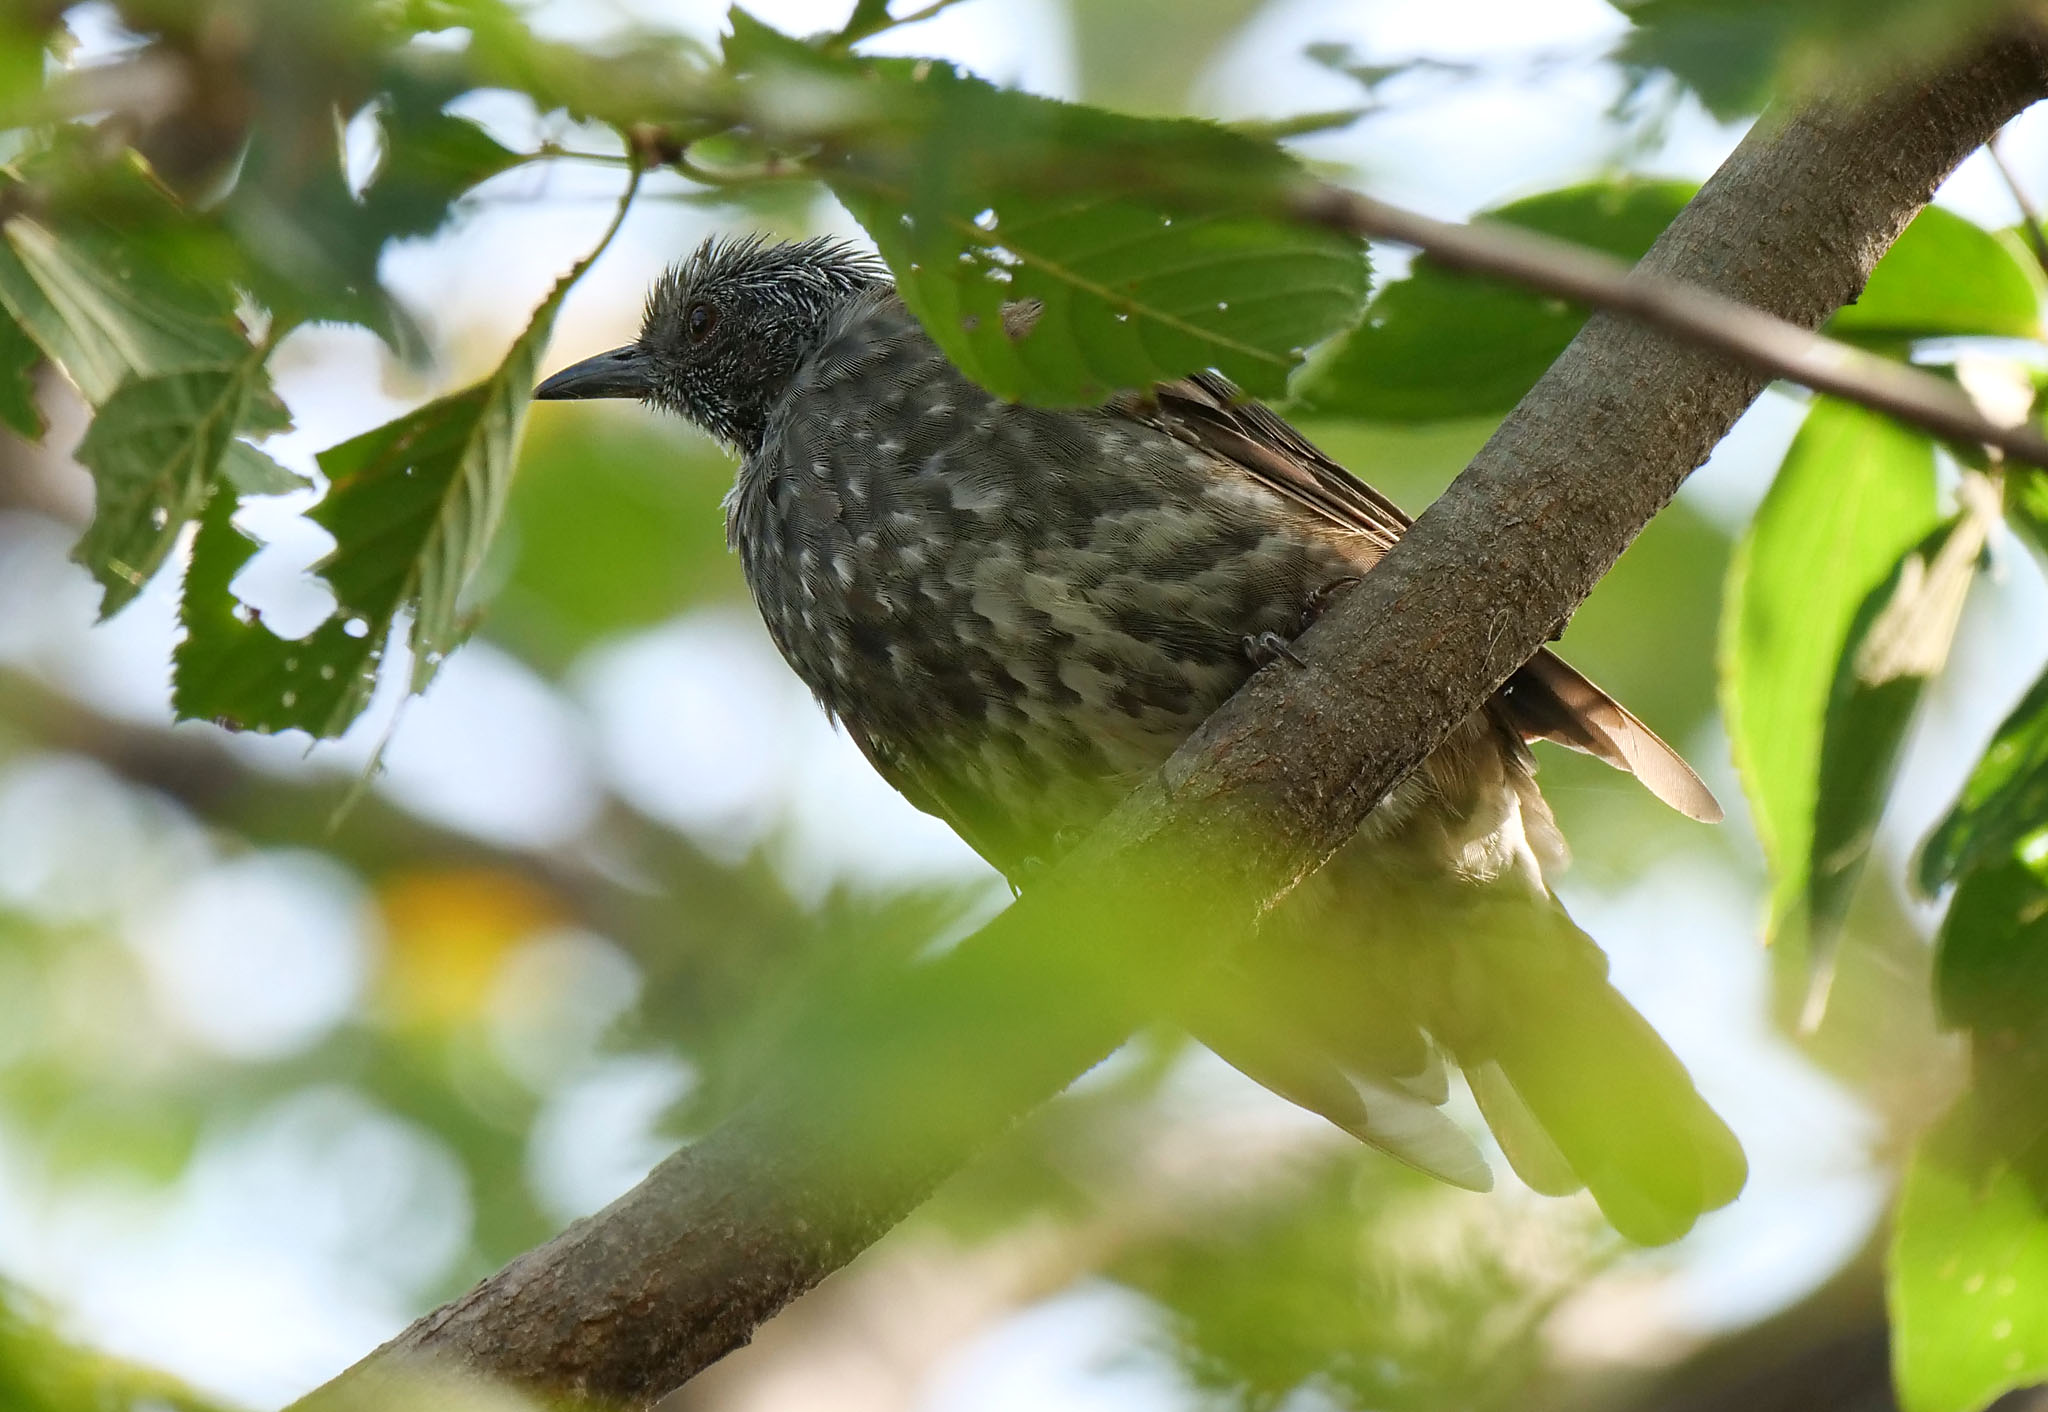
(870, 20)
(2030, 219)
(1768, 344)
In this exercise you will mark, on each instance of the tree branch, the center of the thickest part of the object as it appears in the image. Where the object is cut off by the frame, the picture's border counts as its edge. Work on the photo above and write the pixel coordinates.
(1769, 345)
(898, 1088)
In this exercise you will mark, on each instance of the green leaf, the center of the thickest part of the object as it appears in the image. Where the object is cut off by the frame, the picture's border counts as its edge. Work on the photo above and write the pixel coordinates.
(412, 506)
(2003, 807)
(1944, 277)
(1968, 1269)
(232, 670)
(1969, 1266)
(1441, 344)
(430, 159)
(155, 452)
(1152, 248)
(252, 471)
(1991, 968)
(1855, 493)
(2026, 506)
(18, 359)
(105, 310)
(1899, 641)
(310, 245)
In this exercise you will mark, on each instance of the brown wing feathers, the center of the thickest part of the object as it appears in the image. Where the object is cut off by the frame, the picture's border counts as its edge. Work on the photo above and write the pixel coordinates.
(1547, 699)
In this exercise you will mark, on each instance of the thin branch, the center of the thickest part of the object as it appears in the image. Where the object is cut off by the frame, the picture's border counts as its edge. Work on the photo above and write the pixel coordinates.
(870, 19)
(2030, 219)
(898, 1088)
(1767, 344)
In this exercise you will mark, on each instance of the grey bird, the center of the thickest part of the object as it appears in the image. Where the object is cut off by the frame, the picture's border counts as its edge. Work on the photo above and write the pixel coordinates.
(1017, 613)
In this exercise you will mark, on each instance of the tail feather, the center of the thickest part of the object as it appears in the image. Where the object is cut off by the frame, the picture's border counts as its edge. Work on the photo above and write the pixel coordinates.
(1523, 1141)
(1549, 699)
(1617, 1104)
(1387, 1113)
(1578, 1089)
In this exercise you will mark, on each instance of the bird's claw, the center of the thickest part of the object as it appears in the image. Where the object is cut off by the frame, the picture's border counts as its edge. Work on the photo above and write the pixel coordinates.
(1269, 647)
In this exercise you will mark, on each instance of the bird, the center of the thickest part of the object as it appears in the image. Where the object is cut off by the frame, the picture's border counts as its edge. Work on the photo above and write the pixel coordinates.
(1017, 613)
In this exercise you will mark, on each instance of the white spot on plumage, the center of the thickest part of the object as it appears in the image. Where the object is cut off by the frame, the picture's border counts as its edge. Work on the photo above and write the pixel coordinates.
(977, 496)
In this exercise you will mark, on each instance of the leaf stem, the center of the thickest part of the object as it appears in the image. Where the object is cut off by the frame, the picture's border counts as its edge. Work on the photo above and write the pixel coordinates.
(1696, 314)
(869, 20)
(2030, 218)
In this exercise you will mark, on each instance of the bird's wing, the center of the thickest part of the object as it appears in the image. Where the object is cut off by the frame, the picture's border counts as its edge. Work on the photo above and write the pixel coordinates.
(1547, 699)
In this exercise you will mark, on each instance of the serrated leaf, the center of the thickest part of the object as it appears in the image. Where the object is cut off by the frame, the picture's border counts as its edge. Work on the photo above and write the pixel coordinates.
(2003, 807)
(1855, 493)
(412, 506)
(1439, 344)
(18, 358)
(1944, 277)
(155, 452)
(253, 471)
(105, 311)
(430, 159)
(1967, 1275)
(232, 670)
(1147, 248)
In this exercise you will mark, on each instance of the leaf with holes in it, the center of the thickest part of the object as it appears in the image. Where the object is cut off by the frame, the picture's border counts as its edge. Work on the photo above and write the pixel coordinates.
(1855, 493)
(232, 670)
(1967, 1273)
(2003, 807)
(18, 358)
(1969, 1258)
(155, 452)
(412, 506)
(107, 312)
(1060, 253)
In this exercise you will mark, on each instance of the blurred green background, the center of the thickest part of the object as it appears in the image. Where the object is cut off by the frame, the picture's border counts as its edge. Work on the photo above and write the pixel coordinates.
(277, 1075)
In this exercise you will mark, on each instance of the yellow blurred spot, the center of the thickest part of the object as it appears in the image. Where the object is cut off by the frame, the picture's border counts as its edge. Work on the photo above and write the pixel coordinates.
(448, 930)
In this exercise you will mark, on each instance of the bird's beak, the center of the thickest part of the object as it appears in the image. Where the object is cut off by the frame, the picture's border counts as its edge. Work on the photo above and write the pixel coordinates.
(619, 373)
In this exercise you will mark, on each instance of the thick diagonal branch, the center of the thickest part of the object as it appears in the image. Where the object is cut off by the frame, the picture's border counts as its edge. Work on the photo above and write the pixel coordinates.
(897, 1089)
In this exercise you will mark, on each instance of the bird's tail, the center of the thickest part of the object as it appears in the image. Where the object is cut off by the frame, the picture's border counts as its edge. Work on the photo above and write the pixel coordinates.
(1577, 1087)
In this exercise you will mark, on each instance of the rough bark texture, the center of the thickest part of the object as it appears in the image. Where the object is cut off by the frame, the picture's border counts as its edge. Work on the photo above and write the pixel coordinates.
(628, 1304)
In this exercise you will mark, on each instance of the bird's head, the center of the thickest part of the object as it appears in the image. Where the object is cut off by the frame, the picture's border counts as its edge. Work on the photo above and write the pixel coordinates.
(725, 331)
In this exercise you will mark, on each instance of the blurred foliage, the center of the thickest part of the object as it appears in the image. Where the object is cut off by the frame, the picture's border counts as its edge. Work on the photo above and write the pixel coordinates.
(40, 1372)
(1388, 1303)
(1738, 54)
(173, 213)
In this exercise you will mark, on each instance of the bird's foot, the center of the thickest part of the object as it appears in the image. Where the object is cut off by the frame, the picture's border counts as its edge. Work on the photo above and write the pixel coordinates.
(1320, 600)
(1268, 648)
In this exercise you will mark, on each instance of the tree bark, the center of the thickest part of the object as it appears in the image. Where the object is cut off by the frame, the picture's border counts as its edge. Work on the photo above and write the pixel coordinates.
(897, 1088)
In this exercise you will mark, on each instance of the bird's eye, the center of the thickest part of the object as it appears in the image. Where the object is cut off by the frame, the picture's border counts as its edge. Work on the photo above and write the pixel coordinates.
(701, 318)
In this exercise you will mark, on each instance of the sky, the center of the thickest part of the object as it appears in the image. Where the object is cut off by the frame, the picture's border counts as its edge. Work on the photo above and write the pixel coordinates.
(698, 722)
